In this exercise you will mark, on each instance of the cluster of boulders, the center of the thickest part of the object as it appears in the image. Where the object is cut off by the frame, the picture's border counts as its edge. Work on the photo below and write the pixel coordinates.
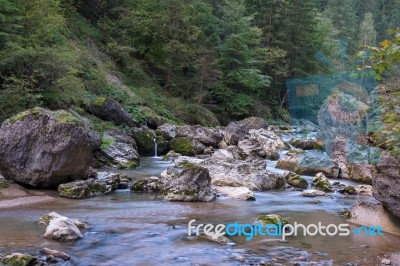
(55, 149)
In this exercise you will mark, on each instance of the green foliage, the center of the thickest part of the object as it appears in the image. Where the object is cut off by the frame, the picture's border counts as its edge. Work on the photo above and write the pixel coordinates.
(106, 142)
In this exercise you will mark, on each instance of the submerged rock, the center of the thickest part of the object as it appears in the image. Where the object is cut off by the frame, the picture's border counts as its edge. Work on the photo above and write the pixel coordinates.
(240, 193)
(321, 182)
(313, 193)
(271, 219)
(118, 150)
(19, 259)
(61, 228)
(150, 184)
(45, 148)
(295, 180)
(108, 109)
(192, 184)
(104, 183)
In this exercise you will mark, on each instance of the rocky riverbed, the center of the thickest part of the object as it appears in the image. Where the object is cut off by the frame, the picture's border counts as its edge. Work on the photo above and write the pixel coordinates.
(139, 216)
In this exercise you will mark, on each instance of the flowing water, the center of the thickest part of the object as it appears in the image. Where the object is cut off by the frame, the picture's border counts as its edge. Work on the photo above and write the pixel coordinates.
(141, 229)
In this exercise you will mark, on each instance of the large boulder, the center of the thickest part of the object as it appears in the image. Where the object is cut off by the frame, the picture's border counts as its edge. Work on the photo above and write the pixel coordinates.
(187, 146)
(103, 184)
(309, 164)
(386, 182)
(360, 172)
(118, 150)
(231, 152)
(166, 131)
(251, 147)
(235, 132)
(45, 148)
(145, 139)
(250, 173)
(110, 110)
(207, 136)
(61, 228)
(192, 184)
(270, 142)
(374, 214)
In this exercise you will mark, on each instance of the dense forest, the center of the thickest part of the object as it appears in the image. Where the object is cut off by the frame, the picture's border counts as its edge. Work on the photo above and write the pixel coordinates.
(179, 59)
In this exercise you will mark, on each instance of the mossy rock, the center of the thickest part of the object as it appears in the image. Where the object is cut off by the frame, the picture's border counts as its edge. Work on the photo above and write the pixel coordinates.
(36, 112)
(322, 183)
(3, 184)
(296, 181)
(18, 259)
(271, 219)
(99, 101)
(349, 190)
(182, 145)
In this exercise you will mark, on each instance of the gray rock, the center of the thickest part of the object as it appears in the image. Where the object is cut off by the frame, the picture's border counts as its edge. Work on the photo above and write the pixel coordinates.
(321, 182)
(374, 214)
(240, 193)
(167, 131)
(187, 146)
(295, 180)
(269, 141)
(251, 147)
(149, 184)
(309, 163)
(364, 190)
(145, 138)
(44, 148)
(386, 182)
(19, 259)
(206, 136)
(103, 184)
(61, 228)
(120, 150)
(192, 184)
(235, 132)
(312, 193)
(110, 110)
(250, 173)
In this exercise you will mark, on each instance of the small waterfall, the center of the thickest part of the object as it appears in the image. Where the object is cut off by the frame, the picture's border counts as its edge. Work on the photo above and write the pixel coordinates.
(155, 147)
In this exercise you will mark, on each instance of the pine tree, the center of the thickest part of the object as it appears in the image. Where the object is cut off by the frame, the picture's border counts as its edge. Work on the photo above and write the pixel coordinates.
(367, 33)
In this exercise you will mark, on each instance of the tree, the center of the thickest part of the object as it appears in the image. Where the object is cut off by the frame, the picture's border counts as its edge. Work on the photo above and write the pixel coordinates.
(367, 32)
(242, 76)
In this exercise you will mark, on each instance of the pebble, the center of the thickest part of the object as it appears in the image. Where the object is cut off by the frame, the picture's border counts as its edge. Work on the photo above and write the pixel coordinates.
(386, 262)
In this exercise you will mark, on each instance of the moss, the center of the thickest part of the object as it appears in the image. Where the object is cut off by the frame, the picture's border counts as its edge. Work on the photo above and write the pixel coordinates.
(106, 142)
(99, 101)
(128, 165)
(34, 112)
(182, 145)
(44, 219)
(350, 190)
(3, 184)
(18, 259)
(272, 219)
